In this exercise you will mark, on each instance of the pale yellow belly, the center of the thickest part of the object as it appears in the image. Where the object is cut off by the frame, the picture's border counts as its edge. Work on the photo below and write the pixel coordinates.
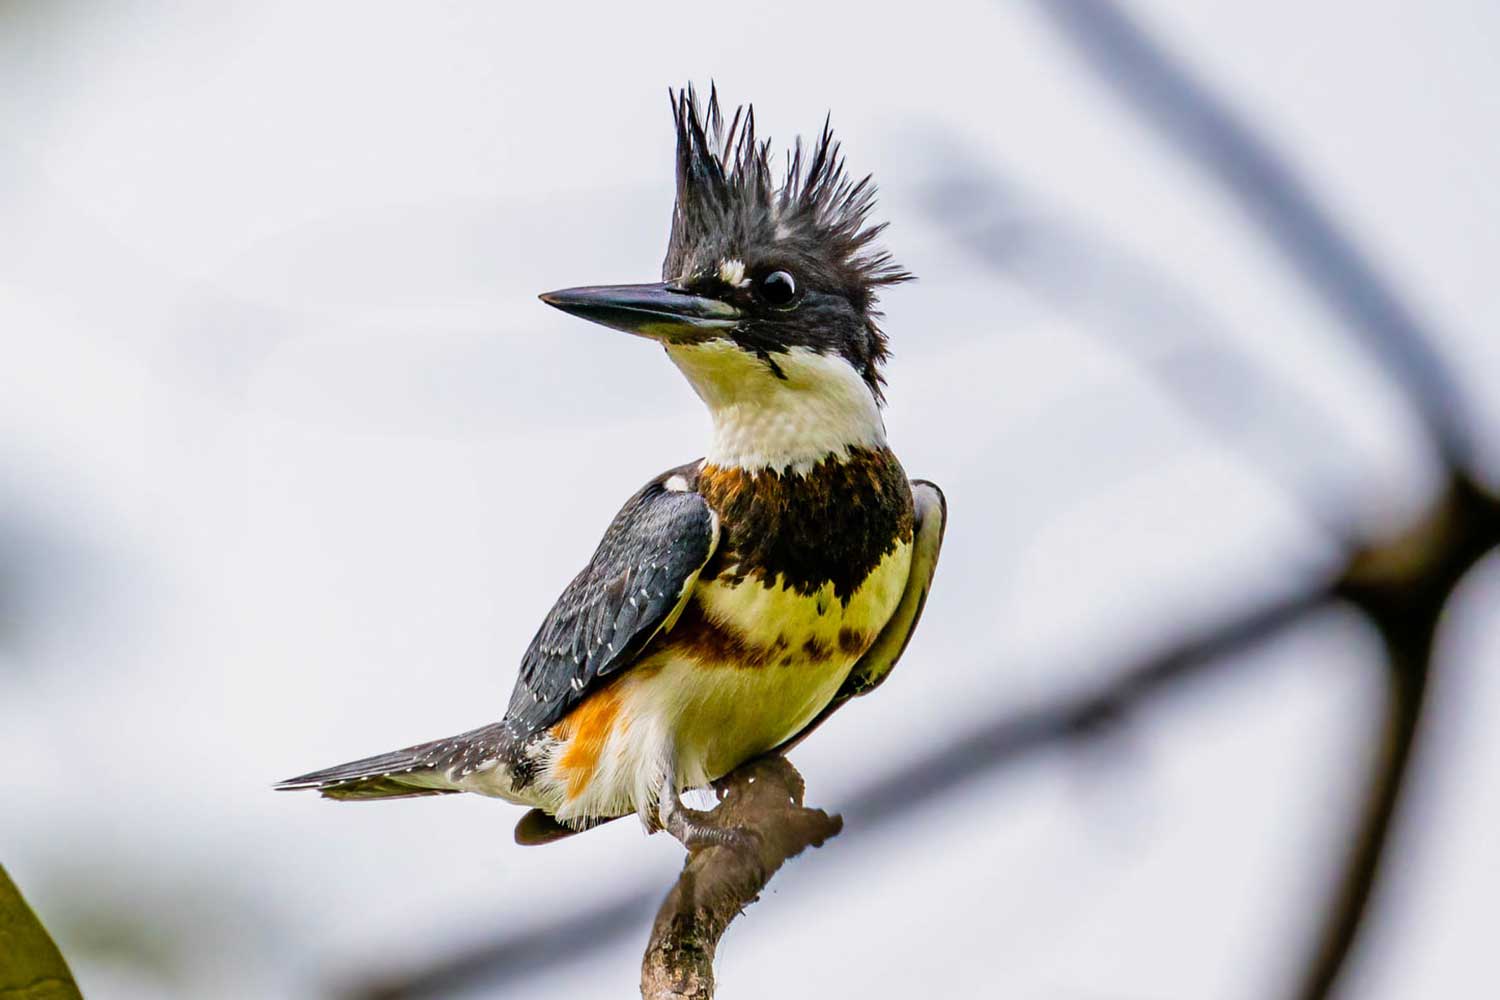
(724, 717)
(744, 669)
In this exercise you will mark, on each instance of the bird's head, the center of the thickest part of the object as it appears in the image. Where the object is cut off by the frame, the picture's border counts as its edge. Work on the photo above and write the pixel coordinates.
(769, 285)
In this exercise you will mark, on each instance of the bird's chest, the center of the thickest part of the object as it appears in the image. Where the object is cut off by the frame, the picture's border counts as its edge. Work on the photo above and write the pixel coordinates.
(808, 570)
(748, 666)
(804, 532)
(746, 625)
(809, 565)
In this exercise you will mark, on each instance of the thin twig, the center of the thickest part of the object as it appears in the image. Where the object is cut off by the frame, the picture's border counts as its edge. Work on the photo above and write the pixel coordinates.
(1405, 681)
(999, 742)
(1403, 588)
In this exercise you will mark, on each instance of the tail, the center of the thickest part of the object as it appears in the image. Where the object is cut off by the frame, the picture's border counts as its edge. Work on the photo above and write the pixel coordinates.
(425, 769)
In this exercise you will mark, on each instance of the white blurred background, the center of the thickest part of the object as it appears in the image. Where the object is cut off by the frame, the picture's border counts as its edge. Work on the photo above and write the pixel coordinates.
(292, 463)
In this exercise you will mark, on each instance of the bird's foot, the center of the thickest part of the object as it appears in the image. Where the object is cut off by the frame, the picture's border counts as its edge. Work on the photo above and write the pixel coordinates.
(696, 830)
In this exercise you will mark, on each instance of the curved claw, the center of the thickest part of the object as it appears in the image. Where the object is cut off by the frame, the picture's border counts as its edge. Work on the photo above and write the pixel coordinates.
(696, 830)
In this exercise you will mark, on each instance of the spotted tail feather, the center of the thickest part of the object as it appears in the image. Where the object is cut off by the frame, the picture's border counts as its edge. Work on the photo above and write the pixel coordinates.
(424, 769)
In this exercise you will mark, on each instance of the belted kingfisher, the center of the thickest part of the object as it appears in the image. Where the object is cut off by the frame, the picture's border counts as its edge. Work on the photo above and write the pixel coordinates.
(737, 601)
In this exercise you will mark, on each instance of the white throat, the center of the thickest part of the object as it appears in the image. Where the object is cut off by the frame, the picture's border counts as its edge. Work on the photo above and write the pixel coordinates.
(823, 407)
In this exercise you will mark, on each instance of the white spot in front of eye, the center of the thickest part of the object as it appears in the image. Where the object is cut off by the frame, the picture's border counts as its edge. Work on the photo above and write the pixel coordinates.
(732, 272)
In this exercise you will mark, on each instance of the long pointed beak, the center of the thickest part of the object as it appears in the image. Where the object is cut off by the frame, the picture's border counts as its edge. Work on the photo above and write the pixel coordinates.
(658, 311)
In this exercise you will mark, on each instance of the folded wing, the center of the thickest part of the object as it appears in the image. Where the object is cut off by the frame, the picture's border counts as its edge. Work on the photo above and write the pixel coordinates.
(634, 586)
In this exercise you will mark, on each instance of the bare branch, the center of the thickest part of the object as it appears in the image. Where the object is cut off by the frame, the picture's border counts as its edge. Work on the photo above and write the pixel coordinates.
(1405, 684)
(763, 797)
(1002, 741)
(1403, 587)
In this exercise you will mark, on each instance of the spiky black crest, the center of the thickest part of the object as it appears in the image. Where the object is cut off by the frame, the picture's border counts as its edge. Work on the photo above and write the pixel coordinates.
(815, 221)
(728, 200)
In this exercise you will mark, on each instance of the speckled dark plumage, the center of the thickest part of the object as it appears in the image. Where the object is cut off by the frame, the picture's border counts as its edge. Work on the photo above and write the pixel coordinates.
(382, 776)
(832, 525)
(652, 548)
(655, 544)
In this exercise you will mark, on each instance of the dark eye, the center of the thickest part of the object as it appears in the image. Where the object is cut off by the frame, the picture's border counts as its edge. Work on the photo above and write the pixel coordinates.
(778, 288)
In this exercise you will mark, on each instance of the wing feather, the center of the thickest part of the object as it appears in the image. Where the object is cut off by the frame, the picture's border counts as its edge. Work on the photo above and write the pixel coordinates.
(634, 585)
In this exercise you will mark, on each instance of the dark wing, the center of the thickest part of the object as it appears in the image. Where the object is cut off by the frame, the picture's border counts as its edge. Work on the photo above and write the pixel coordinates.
(931, 517)
(635, 585)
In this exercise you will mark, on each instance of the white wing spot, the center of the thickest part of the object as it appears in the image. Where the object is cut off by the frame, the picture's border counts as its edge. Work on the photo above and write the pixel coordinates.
(677, 484)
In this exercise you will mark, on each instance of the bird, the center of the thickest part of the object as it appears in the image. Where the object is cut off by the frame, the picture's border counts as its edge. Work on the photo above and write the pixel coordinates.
(738, 600)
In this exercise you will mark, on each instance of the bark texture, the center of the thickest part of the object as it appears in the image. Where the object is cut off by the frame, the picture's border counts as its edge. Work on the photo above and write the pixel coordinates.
(763, 799)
